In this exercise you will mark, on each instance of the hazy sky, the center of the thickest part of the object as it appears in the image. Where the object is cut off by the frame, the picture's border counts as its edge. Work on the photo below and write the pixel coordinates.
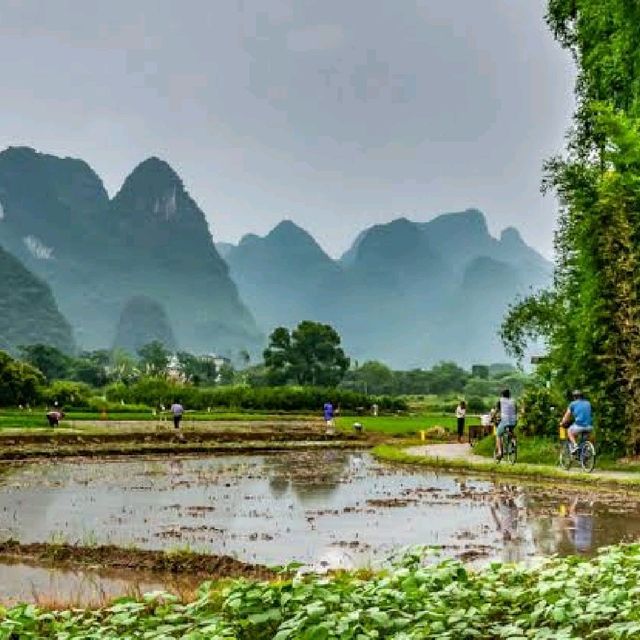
(335, 113)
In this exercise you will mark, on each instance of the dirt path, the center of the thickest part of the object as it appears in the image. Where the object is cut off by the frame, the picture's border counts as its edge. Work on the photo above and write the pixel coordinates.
(449, 450)
(458, 452)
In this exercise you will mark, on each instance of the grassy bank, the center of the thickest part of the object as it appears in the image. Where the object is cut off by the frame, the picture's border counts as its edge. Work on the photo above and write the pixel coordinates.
(564, 598)
(396, 454)
(546, 451)
(404, 425)
(399, 425)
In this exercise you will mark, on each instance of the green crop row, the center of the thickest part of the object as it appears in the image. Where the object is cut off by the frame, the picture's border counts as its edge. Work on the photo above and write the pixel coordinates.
(562, 598)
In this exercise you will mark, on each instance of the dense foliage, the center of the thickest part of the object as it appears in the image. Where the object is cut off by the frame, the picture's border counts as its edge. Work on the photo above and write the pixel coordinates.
(443, 379)
(154, 391)
(19, 382)
(309, 355)
(564, 598)
(591, 317)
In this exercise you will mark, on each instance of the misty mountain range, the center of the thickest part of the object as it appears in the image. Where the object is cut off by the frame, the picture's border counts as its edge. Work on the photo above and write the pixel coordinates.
(144, 263)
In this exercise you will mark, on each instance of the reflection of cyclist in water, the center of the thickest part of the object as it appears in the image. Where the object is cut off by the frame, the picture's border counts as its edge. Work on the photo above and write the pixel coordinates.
(579, 527)
(504, 511)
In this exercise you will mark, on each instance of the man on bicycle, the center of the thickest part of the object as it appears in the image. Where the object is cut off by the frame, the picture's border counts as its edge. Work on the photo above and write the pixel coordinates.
(579, 416)
(506, 407)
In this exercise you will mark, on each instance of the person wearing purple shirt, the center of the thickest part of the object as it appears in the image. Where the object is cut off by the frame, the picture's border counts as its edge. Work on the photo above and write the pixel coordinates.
(328, 416)
(177, 410)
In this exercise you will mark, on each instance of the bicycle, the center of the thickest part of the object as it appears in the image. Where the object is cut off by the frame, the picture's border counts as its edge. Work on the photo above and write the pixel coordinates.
(585, 453)
(509, 446)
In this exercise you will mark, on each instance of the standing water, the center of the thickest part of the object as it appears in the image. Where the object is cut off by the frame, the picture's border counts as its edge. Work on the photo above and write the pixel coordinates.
(322, 508)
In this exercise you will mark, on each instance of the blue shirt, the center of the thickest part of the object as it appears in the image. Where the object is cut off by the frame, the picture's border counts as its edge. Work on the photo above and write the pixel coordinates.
(581, 412)
(328, 411)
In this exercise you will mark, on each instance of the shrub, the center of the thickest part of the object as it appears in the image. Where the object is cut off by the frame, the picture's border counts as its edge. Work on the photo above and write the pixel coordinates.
(157, 391)
(66, 393)
(19, 381)
(541, 411)
(476, 404)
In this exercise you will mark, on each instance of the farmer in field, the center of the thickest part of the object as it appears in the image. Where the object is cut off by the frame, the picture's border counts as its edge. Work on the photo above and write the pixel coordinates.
(328, 417)
(506, 408)
(177, 410)
(578, 417)
(54, 416)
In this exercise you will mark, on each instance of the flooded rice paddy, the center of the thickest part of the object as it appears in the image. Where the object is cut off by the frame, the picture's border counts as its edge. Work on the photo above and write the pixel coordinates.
(324, 508)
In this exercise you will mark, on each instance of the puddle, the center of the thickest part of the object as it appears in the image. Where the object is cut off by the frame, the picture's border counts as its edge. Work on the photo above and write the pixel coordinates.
(322, 508)
(25, 583)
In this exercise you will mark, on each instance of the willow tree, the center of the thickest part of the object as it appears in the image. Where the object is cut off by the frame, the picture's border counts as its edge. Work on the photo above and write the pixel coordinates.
(591, 316)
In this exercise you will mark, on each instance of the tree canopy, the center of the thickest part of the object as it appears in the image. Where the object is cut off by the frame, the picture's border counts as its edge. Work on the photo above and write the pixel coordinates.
(591, 316)
(309, 355)
(19, 381)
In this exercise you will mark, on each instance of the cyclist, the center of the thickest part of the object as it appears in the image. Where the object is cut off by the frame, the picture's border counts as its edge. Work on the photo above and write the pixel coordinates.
(578, 417)
(506, 407)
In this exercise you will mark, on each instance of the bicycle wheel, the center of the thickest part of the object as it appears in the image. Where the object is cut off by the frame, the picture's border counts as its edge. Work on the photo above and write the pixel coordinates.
(588, 456)
(566, 457)
(512, 450)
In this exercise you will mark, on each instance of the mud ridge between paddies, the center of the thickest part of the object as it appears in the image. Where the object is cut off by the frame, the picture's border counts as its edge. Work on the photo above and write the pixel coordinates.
(185, 563)
(65, 443)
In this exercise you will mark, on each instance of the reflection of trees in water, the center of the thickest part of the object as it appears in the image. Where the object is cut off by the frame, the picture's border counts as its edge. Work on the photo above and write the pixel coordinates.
(309, 474)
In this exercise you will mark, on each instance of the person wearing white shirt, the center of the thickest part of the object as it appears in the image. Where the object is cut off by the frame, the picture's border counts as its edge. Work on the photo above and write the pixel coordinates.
(461, 412)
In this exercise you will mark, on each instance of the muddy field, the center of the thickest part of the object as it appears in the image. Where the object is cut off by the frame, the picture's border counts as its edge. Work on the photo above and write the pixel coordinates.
(323, 508)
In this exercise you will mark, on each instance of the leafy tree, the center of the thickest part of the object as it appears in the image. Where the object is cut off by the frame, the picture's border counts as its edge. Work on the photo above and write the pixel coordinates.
(308, 355)
(19, 381)
(448, 377)
(480, 371)
(591, 316)
(198, 370)
(123, 366)
(372, 377)
(227, 374)
(414, 382)
(154, 357)
(67, 393)
(92, 367)
(53, 363)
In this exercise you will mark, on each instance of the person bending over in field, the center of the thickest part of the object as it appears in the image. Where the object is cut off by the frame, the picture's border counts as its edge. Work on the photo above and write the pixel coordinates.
(54, 417)
(506, 407)
(578, 417)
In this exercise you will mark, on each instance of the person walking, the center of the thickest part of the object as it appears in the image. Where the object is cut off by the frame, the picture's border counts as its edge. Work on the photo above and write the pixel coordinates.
(177, 410)
(461, 413)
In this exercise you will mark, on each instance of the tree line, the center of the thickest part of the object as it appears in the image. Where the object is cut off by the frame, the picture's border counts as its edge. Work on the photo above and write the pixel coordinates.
(590, 317)
(310, 355)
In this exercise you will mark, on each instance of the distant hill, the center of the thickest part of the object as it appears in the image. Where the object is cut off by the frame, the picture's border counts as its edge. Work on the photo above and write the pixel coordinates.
(286, 276)
(28, 311)
(409, 293)
(142, 321)
(406, 292)
(150, 239)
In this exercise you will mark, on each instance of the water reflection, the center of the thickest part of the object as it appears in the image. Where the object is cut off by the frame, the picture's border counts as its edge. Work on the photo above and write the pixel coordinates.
(327, 506)
(310, 475)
